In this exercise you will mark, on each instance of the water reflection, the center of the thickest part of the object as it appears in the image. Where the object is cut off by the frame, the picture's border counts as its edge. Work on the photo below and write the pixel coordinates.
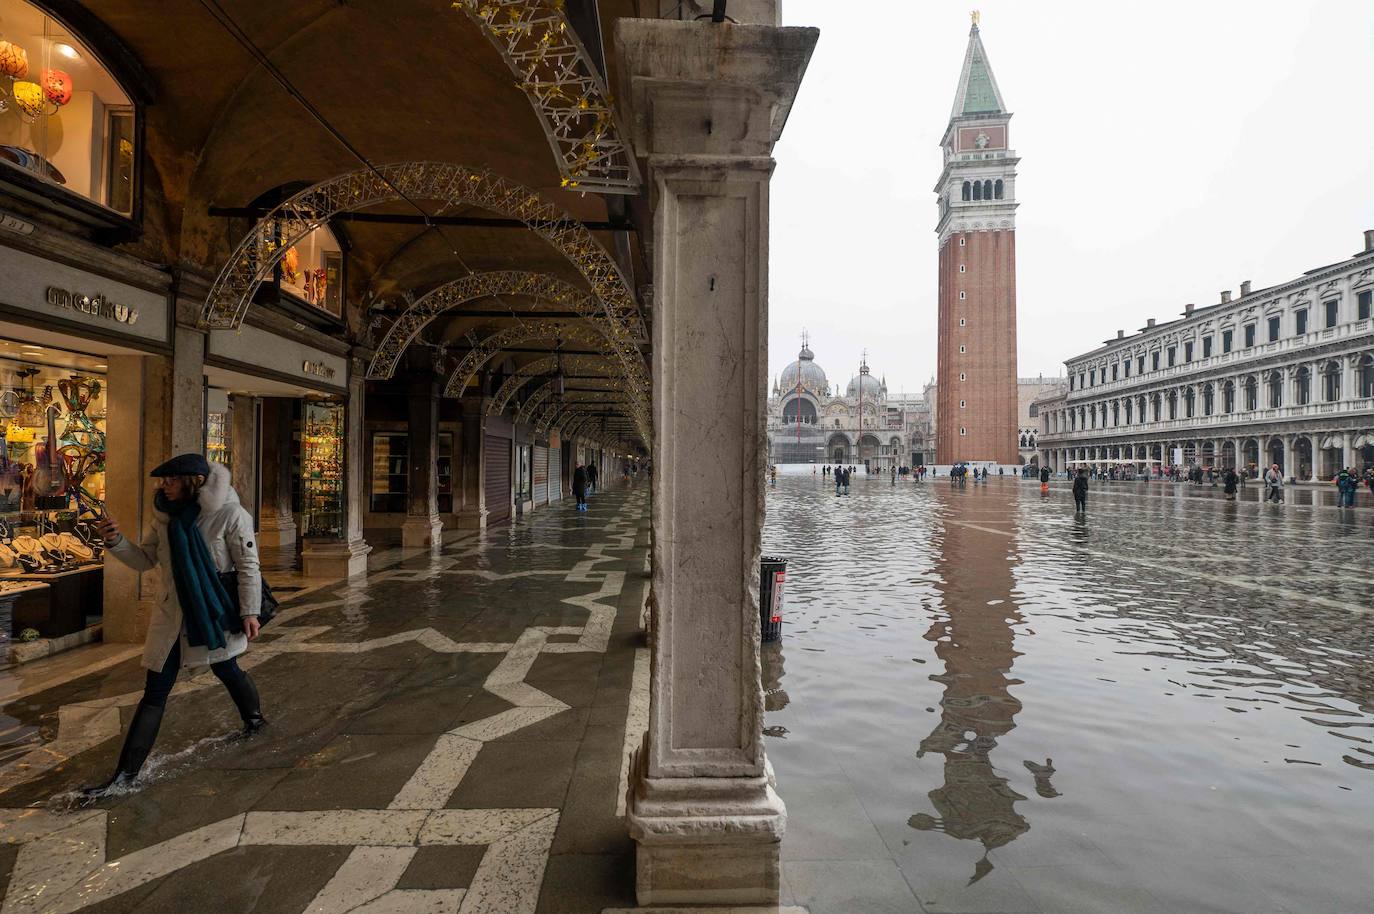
(974, 636)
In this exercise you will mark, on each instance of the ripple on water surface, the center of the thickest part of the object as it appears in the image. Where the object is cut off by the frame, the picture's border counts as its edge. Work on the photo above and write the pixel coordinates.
(1004, 685)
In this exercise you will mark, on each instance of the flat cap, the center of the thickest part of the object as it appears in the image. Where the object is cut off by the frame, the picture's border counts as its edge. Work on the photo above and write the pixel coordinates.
(184, 465)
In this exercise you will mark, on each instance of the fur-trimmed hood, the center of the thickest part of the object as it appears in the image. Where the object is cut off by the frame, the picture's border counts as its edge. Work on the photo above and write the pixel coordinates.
(214, 495)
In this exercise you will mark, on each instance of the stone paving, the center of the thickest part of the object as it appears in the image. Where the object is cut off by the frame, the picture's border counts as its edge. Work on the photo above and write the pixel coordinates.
(447, 736)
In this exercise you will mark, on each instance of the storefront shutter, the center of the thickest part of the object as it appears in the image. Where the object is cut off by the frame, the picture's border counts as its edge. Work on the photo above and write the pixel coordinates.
(555, 478)
(541, 475)
(498, 479)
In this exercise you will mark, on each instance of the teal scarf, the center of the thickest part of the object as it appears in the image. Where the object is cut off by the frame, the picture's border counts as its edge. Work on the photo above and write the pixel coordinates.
(205, 604)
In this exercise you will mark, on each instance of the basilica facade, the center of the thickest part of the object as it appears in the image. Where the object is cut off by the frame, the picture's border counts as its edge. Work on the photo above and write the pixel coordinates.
(809, 421)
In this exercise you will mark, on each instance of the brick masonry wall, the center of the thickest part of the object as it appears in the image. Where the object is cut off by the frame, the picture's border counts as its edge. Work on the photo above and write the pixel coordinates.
(989, 337)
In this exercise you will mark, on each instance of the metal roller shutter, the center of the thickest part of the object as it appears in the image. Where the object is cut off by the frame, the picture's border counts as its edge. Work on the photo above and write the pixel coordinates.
(555, 479)
(541, 475)
(498, 479)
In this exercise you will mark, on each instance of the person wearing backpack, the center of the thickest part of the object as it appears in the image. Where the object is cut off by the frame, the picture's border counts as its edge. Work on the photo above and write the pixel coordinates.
(199, 533)
(1080, 492)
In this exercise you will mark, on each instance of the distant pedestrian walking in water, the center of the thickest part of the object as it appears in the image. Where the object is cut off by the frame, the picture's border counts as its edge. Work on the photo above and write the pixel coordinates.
(1232, 482)
(1273, 481)
(580, 486)
(839, 479)
(1044, 480)
(1080, 493)
(1347, 483)
(847, 471)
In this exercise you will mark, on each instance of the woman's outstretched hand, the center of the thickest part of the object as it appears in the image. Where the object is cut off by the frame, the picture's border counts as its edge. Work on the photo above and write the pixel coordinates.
(109, 530)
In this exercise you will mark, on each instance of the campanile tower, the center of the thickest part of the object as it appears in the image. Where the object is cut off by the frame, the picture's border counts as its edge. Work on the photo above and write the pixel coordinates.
(976, 410)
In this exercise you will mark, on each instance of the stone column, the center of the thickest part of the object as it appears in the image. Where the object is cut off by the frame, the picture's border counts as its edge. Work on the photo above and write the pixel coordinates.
(1290, 468)
(347, 556)
(471, 467)
(243, 448)
(706, 103)
(276, 524)
(188, 391)
(1347, 451)
(423, 529)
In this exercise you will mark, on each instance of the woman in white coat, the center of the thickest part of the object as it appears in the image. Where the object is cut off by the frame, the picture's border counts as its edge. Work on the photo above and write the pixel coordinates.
(199, 531)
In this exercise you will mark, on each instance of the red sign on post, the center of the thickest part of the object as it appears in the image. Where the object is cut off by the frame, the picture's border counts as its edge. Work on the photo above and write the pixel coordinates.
(775, 610)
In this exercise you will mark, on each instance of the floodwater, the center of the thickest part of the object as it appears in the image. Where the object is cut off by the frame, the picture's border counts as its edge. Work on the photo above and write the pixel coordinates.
(983, 702)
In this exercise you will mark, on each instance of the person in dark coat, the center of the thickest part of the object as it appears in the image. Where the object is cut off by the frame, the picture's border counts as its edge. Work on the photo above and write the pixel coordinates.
(591, 477)
(1231, 482)
(580, 486)
(1080, 492)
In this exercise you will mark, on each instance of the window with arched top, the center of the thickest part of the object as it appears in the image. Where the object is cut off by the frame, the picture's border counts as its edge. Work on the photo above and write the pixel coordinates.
(1302, 386)
(1364, 376)
(1173, 404)
(1275, 384)
(977, 190)
(1188, 403)
(70, 122)
(1208, 399)
(1228, 397)
(1331, 382)
(968, 191)
(997, 189)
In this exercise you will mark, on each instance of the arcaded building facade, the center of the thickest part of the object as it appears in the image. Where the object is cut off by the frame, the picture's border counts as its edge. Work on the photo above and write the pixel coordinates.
(1282, 375)
(977, 402)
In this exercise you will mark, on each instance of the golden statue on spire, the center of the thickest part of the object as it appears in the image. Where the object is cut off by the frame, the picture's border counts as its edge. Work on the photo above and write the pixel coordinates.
(974, 15)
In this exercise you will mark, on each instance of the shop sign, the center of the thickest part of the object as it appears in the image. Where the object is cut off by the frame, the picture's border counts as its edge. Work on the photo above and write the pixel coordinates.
(318, 369)
(97, 306)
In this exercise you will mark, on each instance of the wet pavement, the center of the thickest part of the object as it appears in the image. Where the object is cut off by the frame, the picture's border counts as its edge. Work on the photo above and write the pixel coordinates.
(983, 703)
(447, 735)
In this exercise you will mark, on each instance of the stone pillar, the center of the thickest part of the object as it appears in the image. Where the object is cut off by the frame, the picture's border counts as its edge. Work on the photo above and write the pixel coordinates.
(707, 103)
(243, 450)
(471, 467)
(347, 556)
(423, 529)
(188, 391)
(276, 524)
(138, 438)
(1289, 467)
(1314, 445)
(1347, 450)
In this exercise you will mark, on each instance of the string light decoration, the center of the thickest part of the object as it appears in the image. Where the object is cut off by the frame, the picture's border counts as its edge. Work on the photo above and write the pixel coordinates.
(540, 411)
(552, 68)
(533, 371)
(484, 349)
(428, 307)
(253, 260)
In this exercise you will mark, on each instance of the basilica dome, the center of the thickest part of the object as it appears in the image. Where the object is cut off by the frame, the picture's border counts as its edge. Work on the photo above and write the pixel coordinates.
(803, 371)
(872, 387)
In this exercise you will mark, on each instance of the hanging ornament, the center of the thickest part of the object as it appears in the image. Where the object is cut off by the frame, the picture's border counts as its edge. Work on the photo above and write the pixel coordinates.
(57, 86)
(30, 98)
(14, 61)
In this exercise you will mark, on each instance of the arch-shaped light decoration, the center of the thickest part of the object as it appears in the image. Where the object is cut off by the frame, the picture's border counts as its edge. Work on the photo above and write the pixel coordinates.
(563, 86)
(475, 286)
(454, 185)
(542, 400)
(488, 347)
(543, 415)
(531, 371)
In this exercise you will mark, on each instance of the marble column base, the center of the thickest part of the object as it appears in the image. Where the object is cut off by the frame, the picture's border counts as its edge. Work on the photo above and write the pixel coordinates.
(706, 840)
(422, 532)
(276, 530)
(471, 519)
(324, 558)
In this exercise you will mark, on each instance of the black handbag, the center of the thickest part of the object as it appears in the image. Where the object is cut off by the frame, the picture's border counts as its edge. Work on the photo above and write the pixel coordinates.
(230, 580)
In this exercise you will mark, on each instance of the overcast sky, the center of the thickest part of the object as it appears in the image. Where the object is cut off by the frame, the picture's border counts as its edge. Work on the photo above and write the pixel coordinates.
(1169, 150)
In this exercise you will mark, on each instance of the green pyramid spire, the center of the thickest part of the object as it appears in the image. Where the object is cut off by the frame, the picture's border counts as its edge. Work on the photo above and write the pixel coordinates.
(977, 93)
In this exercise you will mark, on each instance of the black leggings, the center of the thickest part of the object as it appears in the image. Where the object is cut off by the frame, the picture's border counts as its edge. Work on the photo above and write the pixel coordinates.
(158, 685)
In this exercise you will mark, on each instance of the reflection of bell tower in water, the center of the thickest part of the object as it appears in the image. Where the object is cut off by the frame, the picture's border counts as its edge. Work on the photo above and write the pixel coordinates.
(975, 640)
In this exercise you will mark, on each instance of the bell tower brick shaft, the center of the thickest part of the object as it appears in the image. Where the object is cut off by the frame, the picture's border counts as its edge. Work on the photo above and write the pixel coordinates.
(976, 406)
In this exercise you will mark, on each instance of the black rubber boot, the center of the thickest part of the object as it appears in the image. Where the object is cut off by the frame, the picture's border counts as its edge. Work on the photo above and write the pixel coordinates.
(245, 695)
(137, 745)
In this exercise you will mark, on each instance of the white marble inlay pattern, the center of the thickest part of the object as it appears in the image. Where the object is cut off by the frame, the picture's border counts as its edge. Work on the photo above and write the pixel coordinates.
(636, 724)
(62, 866)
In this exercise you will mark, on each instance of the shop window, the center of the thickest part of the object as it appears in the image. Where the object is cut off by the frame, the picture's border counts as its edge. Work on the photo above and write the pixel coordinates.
(218, 425)
(65, 120)
(322, 468)
(43, 404)
(312, 271)
(390, 472)
(524, 482)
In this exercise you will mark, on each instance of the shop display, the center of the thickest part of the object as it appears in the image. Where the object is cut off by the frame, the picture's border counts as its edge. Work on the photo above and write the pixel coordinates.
(390, 472)
(322, 468)
(311, 270)
(217, 427)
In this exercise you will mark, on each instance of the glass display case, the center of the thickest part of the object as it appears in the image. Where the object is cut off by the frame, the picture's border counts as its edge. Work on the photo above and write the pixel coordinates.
(390, 472)
(322, 468)
(217, 431)
(444, 473)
